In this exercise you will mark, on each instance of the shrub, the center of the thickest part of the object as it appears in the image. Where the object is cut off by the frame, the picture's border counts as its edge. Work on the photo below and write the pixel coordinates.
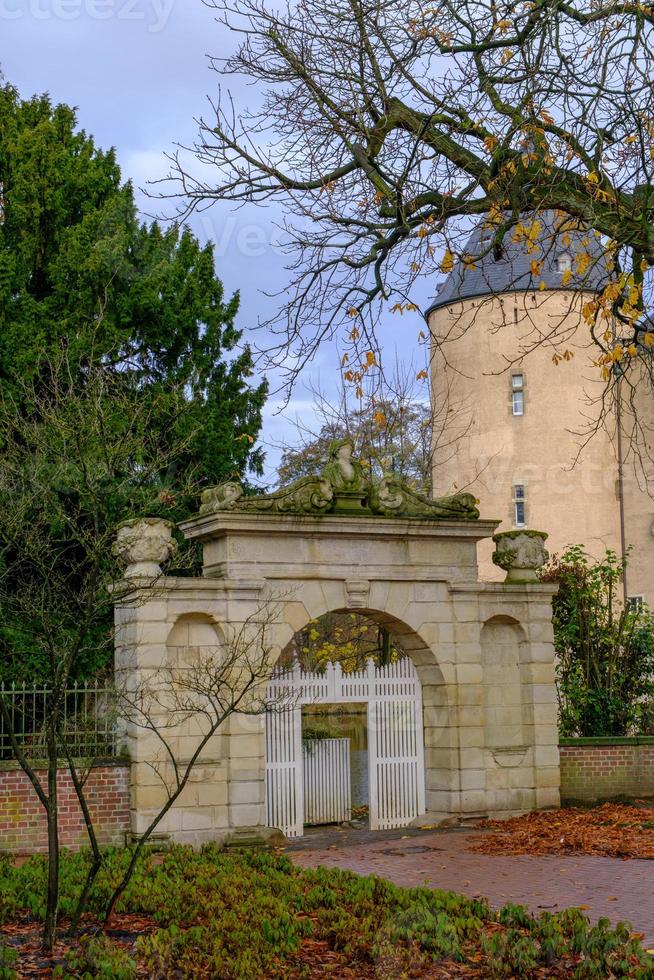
(97, 956)
(605, 651)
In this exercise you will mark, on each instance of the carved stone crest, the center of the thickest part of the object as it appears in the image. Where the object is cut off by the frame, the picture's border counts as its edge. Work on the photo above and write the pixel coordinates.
(393, 498)
(342, 488)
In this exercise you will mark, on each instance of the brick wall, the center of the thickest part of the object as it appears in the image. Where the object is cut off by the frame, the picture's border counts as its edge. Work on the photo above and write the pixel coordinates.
(22, 818)
(600, 768)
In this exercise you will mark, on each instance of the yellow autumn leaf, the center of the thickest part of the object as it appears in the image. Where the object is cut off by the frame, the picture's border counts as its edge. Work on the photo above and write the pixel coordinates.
(582, 261)
(634, 295)
(566, 277)
(354, 334)
(632, 350)
(535, 267)
(648, 339)
(353, 311)
(541, 285)
(370, 358)
(379, 418)
(447, 263)
(421, 375)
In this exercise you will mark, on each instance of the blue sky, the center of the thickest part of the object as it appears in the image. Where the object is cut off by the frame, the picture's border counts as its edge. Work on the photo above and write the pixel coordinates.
(138, 72)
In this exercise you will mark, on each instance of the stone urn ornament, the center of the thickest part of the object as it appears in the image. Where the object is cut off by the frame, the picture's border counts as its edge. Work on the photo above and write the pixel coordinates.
(144, 544)
(521, 553)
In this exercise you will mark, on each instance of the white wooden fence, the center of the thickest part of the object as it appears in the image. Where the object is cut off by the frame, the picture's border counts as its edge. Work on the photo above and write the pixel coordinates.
(395, 740)
(327, 788)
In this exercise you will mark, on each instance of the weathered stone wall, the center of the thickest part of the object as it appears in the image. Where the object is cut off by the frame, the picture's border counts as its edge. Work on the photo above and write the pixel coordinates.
(22, 818)
(601, 768)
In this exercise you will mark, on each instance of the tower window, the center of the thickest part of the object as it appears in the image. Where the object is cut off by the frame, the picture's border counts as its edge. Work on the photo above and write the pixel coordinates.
(519, 516)
(635, 603)
(518, 394)
(564, 263)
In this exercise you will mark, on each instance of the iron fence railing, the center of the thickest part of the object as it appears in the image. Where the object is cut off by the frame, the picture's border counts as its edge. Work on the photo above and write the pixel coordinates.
(88, 720)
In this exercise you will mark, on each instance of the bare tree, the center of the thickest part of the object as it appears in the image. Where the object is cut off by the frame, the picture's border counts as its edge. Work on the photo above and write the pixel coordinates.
(383, 131)
(78, 458)
(393, 427)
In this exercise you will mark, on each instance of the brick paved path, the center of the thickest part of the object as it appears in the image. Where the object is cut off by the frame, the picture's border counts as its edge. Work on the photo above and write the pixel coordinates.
(608, 886)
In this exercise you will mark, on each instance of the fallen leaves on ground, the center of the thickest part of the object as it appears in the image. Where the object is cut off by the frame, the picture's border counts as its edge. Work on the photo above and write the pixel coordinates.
(24, 935)
(609, 830)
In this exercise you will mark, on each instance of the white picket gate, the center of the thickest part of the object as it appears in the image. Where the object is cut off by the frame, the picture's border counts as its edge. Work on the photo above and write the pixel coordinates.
(395, 740)
(327, 787)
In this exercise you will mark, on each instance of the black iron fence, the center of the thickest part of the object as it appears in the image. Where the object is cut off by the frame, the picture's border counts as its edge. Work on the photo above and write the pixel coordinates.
(87, 725)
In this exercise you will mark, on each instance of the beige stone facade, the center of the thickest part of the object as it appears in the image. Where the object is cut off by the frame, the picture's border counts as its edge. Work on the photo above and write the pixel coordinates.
(557, 450)
(483, 652)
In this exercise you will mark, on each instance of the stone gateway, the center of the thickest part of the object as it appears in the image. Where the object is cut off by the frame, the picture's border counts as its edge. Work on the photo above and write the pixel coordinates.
(482, 652)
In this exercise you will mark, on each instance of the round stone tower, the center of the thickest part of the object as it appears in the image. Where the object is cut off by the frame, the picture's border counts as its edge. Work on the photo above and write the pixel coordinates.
(521, 417)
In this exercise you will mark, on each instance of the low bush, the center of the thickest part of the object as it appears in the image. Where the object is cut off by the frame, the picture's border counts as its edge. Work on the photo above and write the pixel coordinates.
(96, 956)
(8, 960)
(243, 916)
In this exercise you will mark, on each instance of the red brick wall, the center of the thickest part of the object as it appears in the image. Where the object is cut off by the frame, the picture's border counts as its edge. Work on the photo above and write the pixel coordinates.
(22, 818)
(597, 769)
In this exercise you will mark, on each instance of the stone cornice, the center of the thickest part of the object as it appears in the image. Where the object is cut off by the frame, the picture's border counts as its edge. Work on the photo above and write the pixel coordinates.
(206, 527)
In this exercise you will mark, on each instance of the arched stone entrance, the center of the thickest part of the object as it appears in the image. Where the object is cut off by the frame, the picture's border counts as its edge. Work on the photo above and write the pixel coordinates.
(410, 564)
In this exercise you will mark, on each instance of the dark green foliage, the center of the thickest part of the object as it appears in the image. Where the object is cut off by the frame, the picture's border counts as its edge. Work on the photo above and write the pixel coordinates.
(8, 960)
(96, 956)
(80, 276)
(605, 652)
(80, 456)
(244, 916)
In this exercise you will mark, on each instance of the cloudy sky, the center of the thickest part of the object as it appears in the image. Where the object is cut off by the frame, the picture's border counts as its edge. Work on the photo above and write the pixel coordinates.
(138, 72)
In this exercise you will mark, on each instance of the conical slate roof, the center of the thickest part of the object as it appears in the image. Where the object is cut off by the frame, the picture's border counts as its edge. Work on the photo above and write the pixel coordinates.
(513, 272)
